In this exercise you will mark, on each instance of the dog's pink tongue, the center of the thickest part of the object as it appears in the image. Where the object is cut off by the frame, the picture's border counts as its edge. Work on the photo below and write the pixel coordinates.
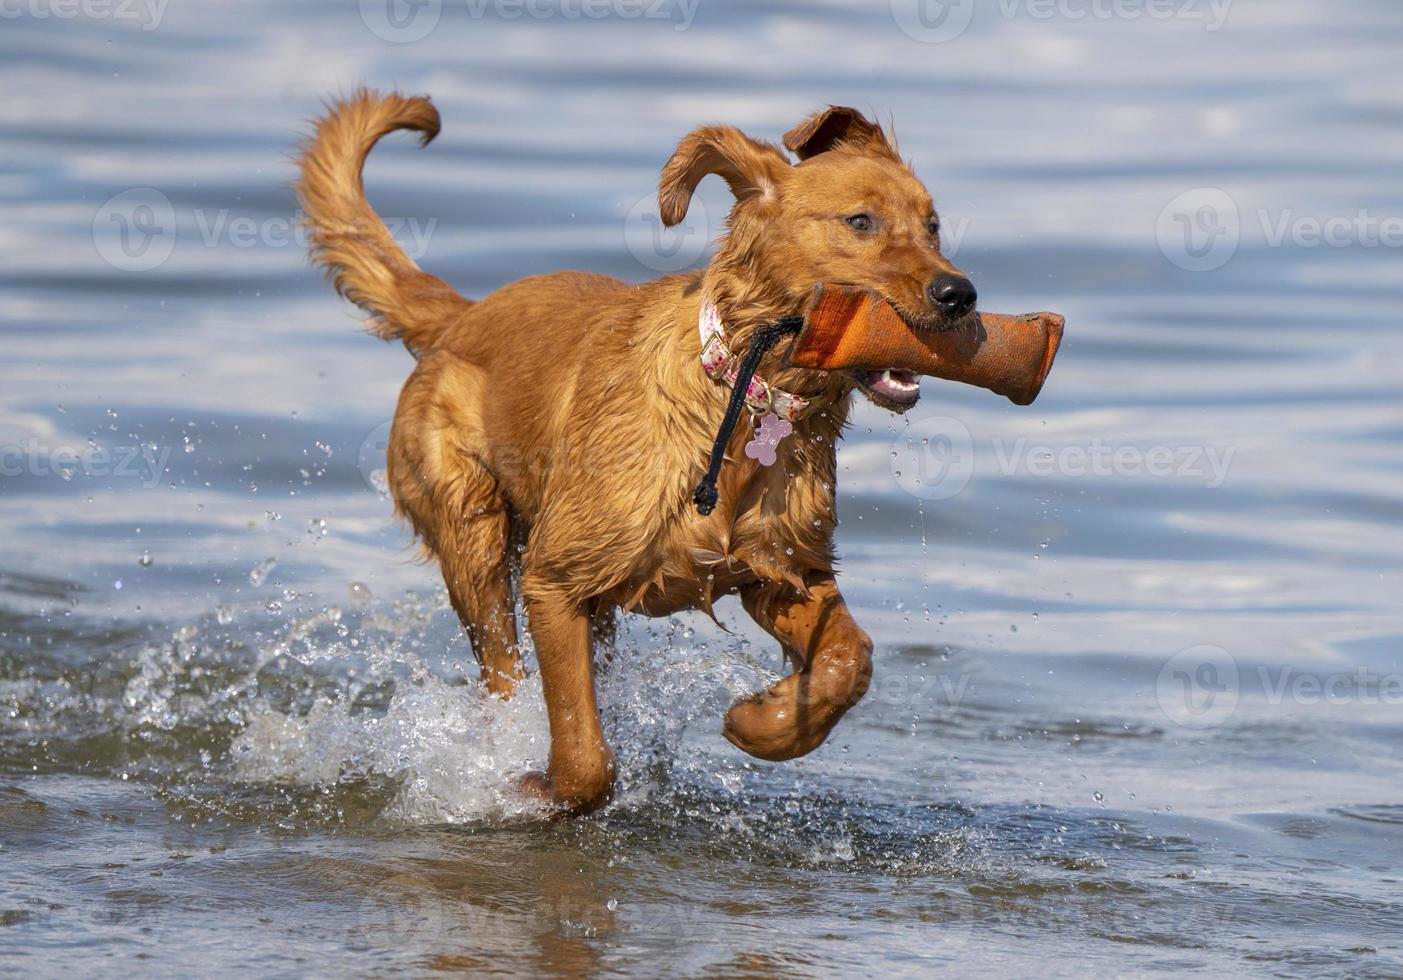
(899, 386)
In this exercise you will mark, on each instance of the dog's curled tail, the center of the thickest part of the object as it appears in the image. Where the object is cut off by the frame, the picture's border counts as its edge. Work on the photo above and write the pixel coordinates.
(363, 260)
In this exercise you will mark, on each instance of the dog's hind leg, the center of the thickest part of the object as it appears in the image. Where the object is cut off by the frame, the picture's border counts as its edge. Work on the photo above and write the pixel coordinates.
(460, 512)
(834, 657)
(471, 548)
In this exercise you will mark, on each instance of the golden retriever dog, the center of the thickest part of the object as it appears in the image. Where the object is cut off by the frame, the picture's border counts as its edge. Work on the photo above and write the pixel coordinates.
(551, 434)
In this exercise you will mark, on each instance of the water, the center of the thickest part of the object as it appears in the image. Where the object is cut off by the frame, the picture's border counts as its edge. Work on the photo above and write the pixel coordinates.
(1138, 695)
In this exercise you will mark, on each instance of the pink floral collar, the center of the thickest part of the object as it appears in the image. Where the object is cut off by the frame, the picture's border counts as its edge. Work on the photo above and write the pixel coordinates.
(722, 366)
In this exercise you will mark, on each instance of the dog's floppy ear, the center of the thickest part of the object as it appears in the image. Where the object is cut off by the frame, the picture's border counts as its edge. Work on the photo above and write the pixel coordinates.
(836, 126)
(751, 168)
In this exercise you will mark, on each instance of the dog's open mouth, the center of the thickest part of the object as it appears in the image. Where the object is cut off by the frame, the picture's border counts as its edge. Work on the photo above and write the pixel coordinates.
(892, 389)
(895, 389)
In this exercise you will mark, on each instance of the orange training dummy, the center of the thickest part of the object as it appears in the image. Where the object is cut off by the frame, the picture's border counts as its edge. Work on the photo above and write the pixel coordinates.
(847, 327)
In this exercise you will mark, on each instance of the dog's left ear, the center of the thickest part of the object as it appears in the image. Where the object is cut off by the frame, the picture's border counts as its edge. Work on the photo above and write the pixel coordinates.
(752, 169)
(836, 126)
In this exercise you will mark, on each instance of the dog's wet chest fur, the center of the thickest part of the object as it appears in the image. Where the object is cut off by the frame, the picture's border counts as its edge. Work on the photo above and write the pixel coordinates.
(772, 524)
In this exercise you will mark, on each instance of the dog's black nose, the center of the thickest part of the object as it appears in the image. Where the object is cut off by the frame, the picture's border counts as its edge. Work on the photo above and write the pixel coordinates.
(953, 295)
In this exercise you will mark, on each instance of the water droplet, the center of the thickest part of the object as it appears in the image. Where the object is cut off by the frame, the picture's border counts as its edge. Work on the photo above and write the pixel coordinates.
(259, 575)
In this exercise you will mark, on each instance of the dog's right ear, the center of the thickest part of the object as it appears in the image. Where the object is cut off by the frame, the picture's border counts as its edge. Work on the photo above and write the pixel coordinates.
(836, 126)
(751, 168)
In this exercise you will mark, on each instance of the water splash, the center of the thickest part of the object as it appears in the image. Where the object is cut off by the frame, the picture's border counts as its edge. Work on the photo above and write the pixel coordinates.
(319, 702)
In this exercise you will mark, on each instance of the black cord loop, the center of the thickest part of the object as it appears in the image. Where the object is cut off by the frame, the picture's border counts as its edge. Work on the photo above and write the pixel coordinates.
(766, 337)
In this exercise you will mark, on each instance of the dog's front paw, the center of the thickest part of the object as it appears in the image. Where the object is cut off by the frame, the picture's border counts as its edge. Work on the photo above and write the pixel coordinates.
(535, 785)
(790, 719)
(574, 798)
(765, 725)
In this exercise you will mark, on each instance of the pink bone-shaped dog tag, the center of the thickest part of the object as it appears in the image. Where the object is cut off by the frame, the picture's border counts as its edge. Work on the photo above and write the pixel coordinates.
(767, 438)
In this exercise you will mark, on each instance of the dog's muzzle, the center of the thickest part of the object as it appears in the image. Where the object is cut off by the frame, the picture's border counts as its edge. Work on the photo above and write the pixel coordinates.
(851, 328)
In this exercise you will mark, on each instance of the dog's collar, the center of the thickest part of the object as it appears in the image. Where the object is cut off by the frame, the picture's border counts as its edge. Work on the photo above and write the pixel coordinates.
(722, 366)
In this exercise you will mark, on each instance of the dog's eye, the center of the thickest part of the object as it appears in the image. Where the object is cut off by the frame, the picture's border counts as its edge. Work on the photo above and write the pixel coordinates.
(859, 222)
(933, 227)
